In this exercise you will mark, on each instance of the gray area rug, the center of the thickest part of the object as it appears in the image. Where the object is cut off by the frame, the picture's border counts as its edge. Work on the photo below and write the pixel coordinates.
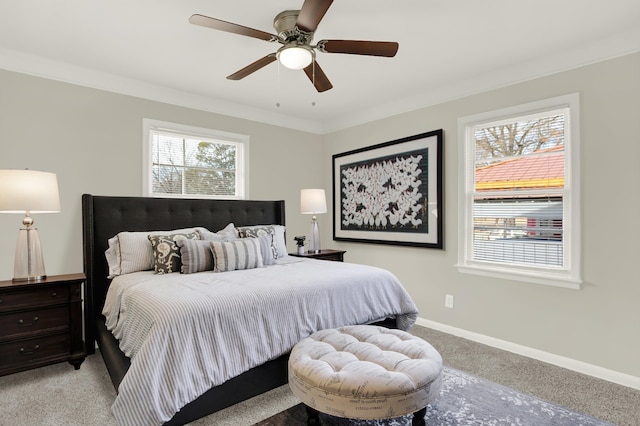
(464, 400)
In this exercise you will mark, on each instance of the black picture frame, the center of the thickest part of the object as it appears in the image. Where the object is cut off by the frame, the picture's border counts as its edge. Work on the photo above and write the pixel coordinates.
(391, 193)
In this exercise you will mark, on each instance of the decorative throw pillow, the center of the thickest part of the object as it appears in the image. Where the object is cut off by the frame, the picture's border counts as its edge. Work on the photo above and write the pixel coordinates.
(131, 251)
(266, 243)
(279, 245)
(240, 254)
(166, 253)
(228, 233)
(195, 255)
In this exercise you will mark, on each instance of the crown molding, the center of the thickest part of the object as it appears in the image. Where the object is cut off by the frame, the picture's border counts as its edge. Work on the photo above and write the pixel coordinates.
(24, 63)
(618, 45)
(608, 48)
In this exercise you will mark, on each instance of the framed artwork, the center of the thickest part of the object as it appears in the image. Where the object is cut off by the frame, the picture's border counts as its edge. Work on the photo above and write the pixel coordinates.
(390, 193)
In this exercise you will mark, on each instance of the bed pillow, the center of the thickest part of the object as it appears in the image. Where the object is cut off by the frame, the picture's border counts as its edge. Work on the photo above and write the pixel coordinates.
(279, 245)
(195, 256)
(266, 243)
(113, 256)
(228, 233)
(243, 253)
(131, 251)
(166, 253)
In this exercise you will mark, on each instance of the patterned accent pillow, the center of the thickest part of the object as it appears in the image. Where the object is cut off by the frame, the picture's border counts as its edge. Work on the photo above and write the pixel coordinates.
(131, 251)
(240, 254)
(278, 246)
(166, 253)
(195, 255)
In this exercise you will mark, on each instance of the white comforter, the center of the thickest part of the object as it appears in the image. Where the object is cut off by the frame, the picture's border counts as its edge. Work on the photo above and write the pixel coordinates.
(187, 333)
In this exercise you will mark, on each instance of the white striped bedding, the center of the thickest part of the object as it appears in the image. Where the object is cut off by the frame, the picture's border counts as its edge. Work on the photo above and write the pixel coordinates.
(187, 333)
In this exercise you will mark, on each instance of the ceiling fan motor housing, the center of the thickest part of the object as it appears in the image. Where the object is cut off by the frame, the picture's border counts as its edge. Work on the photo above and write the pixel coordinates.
(285, 25)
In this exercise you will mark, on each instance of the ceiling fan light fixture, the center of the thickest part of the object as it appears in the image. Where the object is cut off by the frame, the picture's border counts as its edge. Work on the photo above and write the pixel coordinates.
(295, 57)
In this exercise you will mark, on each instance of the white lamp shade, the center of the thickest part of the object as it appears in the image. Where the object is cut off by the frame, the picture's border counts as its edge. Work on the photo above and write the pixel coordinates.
(295, 58)
(28, 191)
(312, 201)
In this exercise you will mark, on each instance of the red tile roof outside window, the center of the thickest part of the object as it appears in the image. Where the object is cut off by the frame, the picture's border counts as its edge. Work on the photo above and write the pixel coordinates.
(544, 169)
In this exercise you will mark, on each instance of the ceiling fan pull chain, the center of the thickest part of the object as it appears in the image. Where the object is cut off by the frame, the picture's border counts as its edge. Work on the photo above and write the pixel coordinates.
(313, 73)
(278, 87)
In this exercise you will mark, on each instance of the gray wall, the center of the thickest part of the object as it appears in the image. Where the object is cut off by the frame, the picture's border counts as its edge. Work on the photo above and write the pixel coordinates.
(92, 140)
(599, 324)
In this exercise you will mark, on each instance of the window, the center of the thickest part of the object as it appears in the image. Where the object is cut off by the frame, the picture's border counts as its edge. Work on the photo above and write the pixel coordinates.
(519, 198)
(185, 161)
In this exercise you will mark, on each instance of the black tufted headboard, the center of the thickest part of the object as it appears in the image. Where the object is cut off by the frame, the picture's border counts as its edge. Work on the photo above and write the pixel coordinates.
(104, 216)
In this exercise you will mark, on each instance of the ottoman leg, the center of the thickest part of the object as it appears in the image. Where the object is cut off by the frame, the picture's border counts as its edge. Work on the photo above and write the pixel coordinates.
(313, 418)
(418, 417)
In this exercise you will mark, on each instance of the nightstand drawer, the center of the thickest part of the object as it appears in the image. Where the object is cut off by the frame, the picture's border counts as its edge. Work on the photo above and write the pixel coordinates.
(34, 320)
(45, 296)
(24, 352)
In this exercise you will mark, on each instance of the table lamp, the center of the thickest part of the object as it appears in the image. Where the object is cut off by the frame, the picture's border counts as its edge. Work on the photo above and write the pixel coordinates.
(26, 192)
(312, 201)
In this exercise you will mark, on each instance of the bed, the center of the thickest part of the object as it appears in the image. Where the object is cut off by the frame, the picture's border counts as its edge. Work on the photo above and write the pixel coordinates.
(105, 216)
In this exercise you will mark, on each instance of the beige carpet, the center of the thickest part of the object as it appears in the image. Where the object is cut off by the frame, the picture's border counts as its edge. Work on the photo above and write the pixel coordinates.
(59, 395)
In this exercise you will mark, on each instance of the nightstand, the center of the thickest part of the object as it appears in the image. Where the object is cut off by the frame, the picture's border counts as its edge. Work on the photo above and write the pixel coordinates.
(334, 255)
(41, 323)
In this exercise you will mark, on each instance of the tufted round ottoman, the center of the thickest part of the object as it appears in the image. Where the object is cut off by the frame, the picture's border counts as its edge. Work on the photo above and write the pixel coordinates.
(365, 372)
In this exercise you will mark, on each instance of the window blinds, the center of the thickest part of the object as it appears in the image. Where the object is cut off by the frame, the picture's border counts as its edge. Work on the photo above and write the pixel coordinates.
(190, 165)
(518, 190)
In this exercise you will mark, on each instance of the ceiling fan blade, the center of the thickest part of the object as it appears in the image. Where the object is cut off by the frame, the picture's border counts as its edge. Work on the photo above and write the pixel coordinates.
(251, 68)
(311, 14)
(318, 77)
(357, 47)
(229, 27)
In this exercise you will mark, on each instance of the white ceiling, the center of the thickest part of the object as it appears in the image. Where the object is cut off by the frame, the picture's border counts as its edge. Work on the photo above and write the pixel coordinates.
(448, 49)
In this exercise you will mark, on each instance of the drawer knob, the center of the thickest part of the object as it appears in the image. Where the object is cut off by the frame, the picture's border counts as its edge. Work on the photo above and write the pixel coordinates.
(27, 324)
(25, 352)
(54, 294)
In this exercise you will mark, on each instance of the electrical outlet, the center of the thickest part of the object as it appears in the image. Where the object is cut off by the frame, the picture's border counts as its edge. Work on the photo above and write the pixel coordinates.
(448, 301)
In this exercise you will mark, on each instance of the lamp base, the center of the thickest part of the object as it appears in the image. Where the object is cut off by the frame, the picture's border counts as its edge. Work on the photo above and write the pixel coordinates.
(314, 242)
(29, 262)
(29, 279)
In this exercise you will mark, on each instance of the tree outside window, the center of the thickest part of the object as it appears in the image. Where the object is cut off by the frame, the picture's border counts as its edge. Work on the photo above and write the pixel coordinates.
(183, 164)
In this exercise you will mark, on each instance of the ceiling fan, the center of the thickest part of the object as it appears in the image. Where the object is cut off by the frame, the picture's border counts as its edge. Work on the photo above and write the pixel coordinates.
(295, 30)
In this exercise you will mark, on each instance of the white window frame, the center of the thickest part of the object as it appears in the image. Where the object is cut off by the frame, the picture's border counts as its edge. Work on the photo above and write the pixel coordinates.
(569, 275)
(242, 157)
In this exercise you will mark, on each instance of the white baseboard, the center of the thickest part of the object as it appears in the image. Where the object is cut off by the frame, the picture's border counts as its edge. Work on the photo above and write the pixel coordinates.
(561, 361)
